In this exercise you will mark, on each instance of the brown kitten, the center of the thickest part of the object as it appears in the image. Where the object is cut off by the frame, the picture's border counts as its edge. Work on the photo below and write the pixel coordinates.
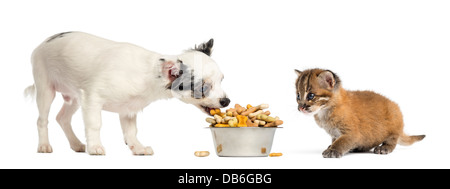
(356, 120)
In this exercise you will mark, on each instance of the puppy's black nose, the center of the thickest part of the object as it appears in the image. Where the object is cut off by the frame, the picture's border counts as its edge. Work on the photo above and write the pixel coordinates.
(224, 102)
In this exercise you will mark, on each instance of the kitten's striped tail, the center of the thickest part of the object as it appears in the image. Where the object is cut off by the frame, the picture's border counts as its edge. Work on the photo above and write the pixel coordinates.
(406, 140)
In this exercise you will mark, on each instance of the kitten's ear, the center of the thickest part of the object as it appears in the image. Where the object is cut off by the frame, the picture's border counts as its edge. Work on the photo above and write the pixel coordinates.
(327, 80)
(298, 72)
(205, 47)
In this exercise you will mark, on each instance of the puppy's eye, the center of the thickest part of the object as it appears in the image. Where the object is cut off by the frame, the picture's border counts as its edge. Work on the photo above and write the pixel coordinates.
(205, 89)
(310, 96)
(201, 91)
(298, 96)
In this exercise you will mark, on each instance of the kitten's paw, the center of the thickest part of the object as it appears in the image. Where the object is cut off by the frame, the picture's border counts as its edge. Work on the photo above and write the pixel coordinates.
(382, 150)
(331, 153)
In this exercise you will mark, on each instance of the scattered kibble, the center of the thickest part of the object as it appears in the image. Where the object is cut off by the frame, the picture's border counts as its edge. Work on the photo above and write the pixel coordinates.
(275, 154)
(201, 153)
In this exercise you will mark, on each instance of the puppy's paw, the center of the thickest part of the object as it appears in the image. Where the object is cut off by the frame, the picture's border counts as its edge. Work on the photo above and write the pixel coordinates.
(78, 147)
(141, 150)
(382, 150)
(96, 150)
(45, 148)
(331, 153)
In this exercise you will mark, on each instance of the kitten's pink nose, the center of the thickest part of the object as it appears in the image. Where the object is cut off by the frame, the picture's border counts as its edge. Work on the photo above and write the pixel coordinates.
(302, 108)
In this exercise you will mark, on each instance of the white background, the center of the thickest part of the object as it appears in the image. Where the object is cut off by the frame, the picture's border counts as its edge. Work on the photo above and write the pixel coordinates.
(397, 48)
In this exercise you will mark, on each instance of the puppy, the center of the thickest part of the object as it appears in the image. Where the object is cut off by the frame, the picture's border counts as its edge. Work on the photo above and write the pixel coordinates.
(98, 74)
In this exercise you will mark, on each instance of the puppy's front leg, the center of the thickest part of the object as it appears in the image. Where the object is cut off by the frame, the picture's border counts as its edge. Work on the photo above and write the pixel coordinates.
(128, 123)
(92, 118)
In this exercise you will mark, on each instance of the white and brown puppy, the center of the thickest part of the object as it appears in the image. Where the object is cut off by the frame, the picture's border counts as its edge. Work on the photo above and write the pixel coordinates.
(98, 74)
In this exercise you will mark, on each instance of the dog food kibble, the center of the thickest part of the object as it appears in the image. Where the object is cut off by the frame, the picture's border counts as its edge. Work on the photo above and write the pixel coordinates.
(221, 125)
(201, 153)
(250, 123)
(242, 120)
(275, 154)
(239, 108)
(233, 122)
(214, 111)
(274, 124)
(252, 116)
(211, 120)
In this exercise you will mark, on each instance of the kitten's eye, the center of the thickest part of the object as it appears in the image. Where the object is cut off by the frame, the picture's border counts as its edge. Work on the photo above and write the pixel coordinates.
(298, 96)
(310, 96)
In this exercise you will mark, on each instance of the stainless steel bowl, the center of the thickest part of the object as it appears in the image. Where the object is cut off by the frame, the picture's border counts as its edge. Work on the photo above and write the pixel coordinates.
(243, 141)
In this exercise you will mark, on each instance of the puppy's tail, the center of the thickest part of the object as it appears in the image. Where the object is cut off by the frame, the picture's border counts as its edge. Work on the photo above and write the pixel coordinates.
(406, 140)
(30, 92)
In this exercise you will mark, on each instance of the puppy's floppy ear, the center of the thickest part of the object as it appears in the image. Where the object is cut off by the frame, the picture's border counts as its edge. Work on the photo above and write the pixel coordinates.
(298, 72)
(328, 80)
(205, 47)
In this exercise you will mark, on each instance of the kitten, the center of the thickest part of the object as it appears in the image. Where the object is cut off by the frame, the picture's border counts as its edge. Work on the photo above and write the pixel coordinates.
(356, 120)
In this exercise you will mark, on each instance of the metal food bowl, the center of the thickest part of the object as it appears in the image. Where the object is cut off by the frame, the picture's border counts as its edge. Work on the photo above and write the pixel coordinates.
(243, 141)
